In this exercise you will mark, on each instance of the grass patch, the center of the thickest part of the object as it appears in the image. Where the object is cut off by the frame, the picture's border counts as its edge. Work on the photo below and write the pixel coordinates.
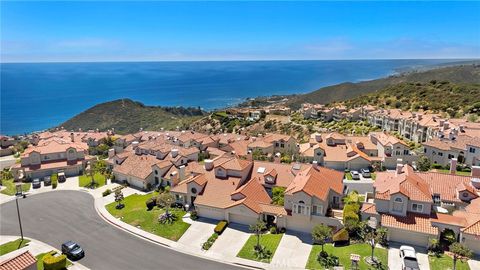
(13, 245)
(343, 254)
(270, 241)
(445, 262)
(135, 213)
(374, 176)
(86, 180)
(40, 260)
(348, 176)
(457, 172)
(11, 187)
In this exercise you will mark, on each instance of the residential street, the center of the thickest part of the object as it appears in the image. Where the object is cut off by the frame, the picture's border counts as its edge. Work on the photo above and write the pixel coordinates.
(55, 217)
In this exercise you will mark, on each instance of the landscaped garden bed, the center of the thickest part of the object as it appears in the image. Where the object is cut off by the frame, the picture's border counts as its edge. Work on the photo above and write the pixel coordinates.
(343, 254)
(136, 214)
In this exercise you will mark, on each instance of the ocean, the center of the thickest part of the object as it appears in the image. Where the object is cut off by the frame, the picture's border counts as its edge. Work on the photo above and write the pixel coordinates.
(36, 96)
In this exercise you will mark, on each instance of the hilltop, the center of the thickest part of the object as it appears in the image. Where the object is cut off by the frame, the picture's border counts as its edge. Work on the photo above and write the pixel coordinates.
(127, 116)
(464, 74)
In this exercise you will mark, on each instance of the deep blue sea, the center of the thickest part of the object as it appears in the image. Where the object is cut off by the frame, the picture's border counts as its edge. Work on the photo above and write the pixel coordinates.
(42, 95)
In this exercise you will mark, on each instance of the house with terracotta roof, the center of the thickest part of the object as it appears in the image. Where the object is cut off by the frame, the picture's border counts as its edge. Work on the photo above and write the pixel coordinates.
(22, 261)
(237, 190)
(274, 143)
(416, 206)
(51, 156)
(464, 148)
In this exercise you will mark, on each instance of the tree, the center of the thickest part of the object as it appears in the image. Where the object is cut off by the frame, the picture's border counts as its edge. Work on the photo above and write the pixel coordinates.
(461, 252)
(320, 234)
(423, 163)
(165, 200)
(258, 228)
(278, 195)
(119, 198)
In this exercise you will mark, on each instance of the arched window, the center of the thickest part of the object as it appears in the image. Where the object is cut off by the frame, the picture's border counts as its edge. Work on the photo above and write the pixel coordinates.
(399, 200)
(194, 190)
(398, 205)
(302, 202)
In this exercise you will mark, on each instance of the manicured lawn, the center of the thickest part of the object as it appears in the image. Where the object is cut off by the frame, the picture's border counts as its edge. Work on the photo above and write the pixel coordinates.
(13, 245)
(270, 241)
(457, 172)
(85, 180)
(343, 254)
(135, 213)
(11, 189)
(445, 262)
(40, 261)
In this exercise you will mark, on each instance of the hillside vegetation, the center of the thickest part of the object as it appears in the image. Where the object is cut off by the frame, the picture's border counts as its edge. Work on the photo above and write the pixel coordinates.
(128, 116)
(454, 99)
(464, 74)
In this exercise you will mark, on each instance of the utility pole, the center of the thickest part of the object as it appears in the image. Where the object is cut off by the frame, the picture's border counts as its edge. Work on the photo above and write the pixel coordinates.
(19, 219)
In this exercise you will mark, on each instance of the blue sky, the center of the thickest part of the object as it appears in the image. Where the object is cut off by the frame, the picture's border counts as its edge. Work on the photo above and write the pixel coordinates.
(151, 31)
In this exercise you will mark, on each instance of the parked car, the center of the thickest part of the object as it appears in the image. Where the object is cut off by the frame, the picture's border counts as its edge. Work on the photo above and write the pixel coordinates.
(47, 181)
(36, 183)
(355, 175)
(409, 258)
(61, 177)
(366, 173)
(72, 250)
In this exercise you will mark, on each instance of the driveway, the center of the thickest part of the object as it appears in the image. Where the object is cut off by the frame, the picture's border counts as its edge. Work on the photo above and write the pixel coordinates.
(395, 263)
(197, 234)
(7, 162)
(54, 217)
(293, 251)
(230, 242)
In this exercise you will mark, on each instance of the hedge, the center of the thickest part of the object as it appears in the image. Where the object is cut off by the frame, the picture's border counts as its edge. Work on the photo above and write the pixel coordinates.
(221, 226)
(351, 207)
(106, 192)
(341, 236)
(51, 262)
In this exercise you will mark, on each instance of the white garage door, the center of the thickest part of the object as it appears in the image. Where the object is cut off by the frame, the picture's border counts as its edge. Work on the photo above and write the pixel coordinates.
(241, 219)
(212, 213)
(408, 237)
(473, 244)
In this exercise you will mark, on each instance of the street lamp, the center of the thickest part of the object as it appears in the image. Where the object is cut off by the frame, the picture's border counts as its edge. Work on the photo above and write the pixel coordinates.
(19, 193)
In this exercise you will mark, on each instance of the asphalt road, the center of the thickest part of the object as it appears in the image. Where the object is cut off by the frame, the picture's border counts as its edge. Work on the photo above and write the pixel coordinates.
(55, 217)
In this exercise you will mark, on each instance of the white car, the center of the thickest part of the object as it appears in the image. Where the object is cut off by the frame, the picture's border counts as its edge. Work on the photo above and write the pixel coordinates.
(355, 175)
(409, 258)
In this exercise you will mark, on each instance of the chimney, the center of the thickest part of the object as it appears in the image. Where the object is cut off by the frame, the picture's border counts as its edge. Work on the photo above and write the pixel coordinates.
(134, 144)
(446, 125)
(72, 137)
(462, 128)
(277, 158)
(174, 176)
(453, 166)
(399, 166)
(208, 164)
(419, 117)
(174, 152)
(451, 135)
(111, 153)
(181, 172)
(441, 122)
(315, 165)
(249, 155)
(476, 171)
(318, 137)
(434, 118)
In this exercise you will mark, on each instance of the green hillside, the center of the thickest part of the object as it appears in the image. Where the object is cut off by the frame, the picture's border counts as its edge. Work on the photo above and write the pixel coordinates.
(468, 73)
(437, 96)
(128, 116)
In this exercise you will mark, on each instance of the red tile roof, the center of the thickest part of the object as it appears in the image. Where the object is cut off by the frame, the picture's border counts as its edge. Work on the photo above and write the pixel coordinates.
(20, 262)
(473, 229)
(317, 183)
(410, 222)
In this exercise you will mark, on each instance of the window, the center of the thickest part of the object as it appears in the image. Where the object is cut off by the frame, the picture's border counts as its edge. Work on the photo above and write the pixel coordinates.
(450, 156)
(398, 205)
(417, 207)
(424, 150)
(282, 145)
(300, 208)
(465, 194)
(193, 190)
(317, 210)
(277, 144)
(471, 150)
(440, 154)
(156, 172)
(405, 152)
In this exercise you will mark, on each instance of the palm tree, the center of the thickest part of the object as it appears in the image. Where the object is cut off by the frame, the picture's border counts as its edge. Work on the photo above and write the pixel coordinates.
(257, 229)
(320, 234)
(459, 251)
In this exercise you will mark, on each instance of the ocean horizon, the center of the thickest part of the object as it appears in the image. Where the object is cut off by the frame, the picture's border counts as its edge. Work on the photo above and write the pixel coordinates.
(37, 96)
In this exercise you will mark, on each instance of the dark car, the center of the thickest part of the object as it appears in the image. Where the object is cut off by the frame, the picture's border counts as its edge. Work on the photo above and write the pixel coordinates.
(36, 183)
(61, 177)
(72, 250)
(47, 181)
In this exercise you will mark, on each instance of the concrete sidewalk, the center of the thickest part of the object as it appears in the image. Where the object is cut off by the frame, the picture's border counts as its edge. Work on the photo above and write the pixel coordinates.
(35, 247)
(292, 252)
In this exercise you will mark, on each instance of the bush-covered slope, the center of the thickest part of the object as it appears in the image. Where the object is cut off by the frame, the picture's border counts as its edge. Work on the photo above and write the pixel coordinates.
(128, 116)
(456, 74)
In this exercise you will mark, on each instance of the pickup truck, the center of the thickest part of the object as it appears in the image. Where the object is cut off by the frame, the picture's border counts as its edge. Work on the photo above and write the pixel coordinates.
(409, 258)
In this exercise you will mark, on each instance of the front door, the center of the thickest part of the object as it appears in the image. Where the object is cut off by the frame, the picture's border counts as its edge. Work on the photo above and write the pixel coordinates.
(336, 202)
(192, 199)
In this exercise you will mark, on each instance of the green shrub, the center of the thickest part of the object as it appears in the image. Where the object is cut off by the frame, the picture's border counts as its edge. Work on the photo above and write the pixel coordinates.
(341, 236)
(210, 241)
(351, 208)
(151, 202)
(437, 166)
(273, 230)
(54, 179)
(194, 215)
(221, 226)
(106, 192)
(51, 262)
